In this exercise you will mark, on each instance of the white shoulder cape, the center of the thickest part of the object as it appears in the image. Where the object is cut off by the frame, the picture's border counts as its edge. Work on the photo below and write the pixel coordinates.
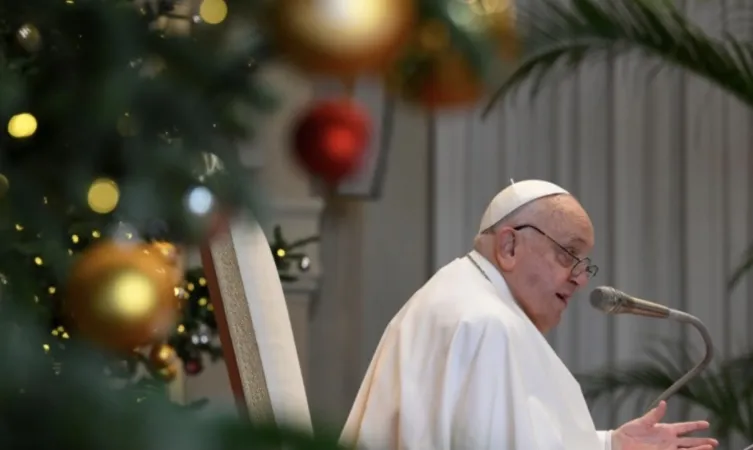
(461, 367)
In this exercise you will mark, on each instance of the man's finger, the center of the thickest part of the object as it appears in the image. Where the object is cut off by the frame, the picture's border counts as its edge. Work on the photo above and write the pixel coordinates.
(653, 417)
(689, 427)
(697, 442)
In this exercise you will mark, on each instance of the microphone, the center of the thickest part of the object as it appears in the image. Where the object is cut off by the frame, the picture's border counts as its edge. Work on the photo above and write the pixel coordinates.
(612, 301)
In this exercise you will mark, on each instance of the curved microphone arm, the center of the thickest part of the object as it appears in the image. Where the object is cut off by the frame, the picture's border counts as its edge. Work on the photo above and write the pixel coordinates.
(700, 366)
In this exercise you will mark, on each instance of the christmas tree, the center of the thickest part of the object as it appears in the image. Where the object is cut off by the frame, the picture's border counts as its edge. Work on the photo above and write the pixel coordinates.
(105, 178)
(95, 128)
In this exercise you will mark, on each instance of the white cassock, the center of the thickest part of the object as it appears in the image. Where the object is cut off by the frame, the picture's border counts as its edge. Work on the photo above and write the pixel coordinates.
(461, 367)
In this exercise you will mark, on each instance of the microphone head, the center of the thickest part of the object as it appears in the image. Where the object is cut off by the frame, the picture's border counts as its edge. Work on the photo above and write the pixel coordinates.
(606, 299)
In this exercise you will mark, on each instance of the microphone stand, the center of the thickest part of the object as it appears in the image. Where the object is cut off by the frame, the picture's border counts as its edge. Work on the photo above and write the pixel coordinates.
(700, 366)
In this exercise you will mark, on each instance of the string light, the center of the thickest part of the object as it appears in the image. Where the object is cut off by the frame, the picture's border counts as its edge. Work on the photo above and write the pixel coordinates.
(200, 200)
(193, 336)
(286, 253)
(213, 11)
(22, 125)
(103, 195)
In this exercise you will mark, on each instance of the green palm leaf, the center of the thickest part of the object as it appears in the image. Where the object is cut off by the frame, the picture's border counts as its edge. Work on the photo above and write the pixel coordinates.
(724, 392)
(563, 37)
(742, 269)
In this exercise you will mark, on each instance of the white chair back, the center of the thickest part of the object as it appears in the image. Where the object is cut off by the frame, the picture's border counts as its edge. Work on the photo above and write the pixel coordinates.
(255, 327)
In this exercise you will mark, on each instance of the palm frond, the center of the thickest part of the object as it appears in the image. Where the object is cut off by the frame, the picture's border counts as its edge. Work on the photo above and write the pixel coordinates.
(563, 37)
(742, 269)
(724, 392)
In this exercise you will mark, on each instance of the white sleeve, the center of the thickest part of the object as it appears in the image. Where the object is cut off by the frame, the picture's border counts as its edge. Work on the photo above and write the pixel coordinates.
(606, 439)
(487, 397)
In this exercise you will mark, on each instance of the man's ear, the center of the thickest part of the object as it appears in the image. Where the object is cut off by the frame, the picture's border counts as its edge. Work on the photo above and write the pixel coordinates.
(505, 247)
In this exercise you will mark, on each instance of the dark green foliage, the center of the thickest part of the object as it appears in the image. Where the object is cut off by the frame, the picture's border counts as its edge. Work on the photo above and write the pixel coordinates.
(77, 409)
(113, 97)
(286, 254)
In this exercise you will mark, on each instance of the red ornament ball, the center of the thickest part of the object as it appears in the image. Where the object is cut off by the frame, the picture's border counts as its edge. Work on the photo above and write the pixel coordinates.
(331, 138)
(193, 366)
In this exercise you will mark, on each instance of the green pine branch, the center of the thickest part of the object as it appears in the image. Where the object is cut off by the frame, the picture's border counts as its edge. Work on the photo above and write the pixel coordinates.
(77, 408)
(114, 97)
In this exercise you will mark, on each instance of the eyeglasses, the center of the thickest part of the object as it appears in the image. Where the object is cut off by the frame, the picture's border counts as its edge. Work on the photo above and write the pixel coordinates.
(580, 264)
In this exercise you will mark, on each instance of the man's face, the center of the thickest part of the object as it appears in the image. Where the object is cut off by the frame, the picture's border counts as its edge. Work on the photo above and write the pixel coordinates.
(545, 272)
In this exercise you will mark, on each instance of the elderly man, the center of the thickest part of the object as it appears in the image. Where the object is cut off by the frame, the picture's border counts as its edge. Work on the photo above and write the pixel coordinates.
(464, 365)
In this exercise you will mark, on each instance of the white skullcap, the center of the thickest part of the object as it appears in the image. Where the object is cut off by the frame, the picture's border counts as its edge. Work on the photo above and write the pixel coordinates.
(515, 196)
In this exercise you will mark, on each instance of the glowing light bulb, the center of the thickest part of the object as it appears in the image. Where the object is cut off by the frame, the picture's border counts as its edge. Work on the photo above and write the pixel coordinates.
(200, 200)
(213, 11)
(22, 125)
(103, 196)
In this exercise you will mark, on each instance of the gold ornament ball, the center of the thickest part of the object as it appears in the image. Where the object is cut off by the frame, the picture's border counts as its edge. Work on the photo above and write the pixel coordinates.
(169, 372)
(121, 296)
(342, 38)
(448, 79)
(173, 258)
(168, 250)
(499, 20)
(29, 38)
(162, 356)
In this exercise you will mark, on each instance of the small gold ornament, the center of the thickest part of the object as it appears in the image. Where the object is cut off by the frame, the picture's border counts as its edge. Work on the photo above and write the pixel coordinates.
(162, 356)
(447, 77)
(499, 19)
(121, 295)
(169, 372)
(446, 81)
(29, 38)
